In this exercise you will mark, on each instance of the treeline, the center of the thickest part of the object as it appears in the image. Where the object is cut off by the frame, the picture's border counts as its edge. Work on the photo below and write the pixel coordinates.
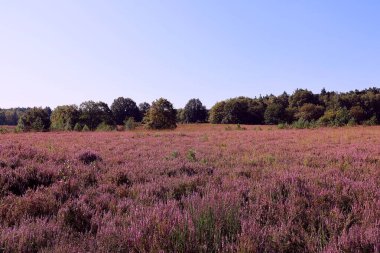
(302, 108)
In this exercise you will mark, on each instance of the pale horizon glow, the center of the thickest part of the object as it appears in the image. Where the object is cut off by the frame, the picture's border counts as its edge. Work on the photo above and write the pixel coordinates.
(67, 52)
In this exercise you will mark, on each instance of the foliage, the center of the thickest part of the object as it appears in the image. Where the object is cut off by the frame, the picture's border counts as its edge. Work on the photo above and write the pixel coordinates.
(161, 115)
(64, 117)
(35, 119)
(143, 108)
(85, 128)
(332, 117)
(130, 124)
(93, 113)
(124, 108)
(194, 111)
(105, 127)
(78, 127)
(310, 112)
(301, 97)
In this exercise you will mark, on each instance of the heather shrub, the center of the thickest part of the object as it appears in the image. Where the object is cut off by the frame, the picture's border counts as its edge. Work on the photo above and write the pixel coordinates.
(30, 236)
(19, 180)
(32, 204)
(122, 179)
(87, 157)
(215, 225)
(75, 216)
(240, 191)
(184, 190)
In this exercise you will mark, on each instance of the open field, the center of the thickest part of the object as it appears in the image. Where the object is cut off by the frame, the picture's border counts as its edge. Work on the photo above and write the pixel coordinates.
(199, 188)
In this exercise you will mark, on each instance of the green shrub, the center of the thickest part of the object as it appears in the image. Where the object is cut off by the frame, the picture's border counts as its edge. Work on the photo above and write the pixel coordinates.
(85, 128)
(104, 127)
(77, 127)
(130, 124)
(371, 122)
(191, 155)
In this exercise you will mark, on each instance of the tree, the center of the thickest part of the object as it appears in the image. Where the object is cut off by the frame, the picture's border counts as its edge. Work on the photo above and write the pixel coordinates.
(180, 116)
(194, 111)
(2, 118)
(357, 113)
(301, 97)
(161, 115)
(274, 114)
(35, 119)
(310, 112)
(124, 108)
(143, 108)
(64, 117)
(217, 113)
(93, 113)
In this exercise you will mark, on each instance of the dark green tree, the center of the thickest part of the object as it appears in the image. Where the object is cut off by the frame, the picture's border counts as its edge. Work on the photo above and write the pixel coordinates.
(301, 97)
(124, 108)
(310, 112)
(194, 111)
(35, 119)
(274, 114)
(93, 113)
(161, 115)
(64, 117)
(143, 108)
(217, 114)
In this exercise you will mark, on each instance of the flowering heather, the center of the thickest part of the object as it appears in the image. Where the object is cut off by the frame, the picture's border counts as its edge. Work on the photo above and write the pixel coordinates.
(199, 188)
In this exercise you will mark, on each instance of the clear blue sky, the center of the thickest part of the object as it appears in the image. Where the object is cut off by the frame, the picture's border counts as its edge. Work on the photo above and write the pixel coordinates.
(69, 51)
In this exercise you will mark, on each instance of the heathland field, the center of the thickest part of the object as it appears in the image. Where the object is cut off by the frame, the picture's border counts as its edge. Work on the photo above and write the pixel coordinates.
(199, 188)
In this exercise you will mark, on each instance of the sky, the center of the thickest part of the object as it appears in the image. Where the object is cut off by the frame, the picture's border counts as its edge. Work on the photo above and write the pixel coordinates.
(69, 51)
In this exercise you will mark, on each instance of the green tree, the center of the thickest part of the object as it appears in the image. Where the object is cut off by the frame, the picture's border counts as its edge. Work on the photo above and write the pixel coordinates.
(124, 108)
(143, 108)
(310, 112)
(217, 113)
(357, 113)
(93, 113)
(2, 118)
(35, 119)
(194, 111)
(161, 115)
(64, 117)
(301, 97)
(274, 114)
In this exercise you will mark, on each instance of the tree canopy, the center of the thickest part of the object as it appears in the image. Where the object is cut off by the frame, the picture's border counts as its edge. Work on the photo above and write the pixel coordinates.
(161, 115)
(124, 108)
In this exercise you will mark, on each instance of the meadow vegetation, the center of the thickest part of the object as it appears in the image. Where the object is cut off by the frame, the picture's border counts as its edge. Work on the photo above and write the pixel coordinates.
(198, 188)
